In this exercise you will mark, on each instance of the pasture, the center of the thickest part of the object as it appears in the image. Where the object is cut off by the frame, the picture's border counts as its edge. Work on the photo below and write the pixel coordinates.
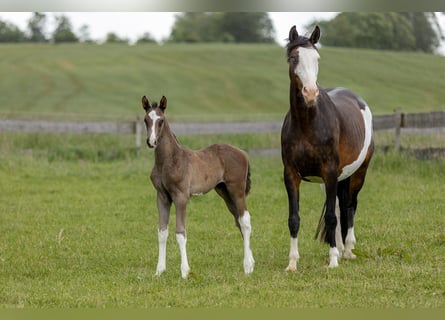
(79, 229)
(78, 218)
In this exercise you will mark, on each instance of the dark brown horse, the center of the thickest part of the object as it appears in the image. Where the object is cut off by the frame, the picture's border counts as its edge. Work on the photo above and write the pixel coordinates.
(180, 173)
(326, 137)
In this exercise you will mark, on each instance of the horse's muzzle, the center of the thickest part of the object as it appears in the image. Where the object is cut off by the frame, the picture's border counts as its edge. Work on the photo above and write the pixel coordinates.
(310, 95)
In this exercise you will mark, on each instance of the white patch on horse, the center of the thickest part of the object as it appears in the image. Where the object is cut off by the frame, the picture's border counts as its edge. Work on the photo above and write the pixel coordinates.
(349, 169)
(333, 257)
(246, 230)
(307, 68)
(154, 117)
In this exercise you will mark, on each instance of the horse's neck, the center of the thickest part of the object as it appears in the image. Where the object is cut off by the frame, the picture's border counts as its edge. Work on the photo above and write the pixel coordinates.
(298, 107)
(168, 146)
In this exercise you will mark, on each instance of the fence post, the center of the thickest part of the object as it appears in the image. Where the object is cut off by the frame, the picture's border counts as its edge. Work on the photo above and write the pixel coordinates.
(138, 131)
(398, 125)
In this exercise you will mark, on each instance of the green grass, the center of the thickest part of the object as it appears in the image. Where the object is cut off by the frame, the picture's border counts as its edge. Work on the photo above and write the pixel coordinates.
(205, 82)
(81, 232)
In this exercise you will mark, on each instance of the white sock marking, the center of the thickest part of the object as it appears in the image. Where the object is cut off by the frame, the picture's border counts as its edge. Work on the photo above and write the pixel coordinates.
(294, 256)
(333, 257)
(338, 237)
(162, 240)
(246, 230)
(182, 241)
(350, 244)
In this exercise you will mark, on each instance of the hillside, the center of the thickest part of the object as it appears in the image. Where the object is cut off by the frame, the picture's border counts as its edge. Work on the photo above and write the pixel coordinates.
(203, 82)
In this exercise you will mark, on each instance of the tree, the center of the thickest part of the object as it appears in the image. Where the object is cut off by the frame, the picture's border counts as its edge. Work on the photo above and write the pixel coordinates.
(222, 27)
(10, 33)
(248, 26)
(380, 30)
(114, 38)
(36, 27)
(146, 38)
(84, 34)
(63, 31)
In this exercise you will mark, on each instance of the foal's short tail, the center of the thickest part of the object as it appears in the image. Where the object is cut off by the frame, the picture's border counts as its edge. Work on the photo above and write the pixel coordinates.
(320, 234)
(248, 182)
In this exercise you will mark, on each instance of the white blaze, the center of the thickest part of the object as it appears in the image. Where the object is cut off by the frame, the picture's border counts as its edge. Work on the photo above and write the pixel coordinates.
(307, 67)
(154, 117)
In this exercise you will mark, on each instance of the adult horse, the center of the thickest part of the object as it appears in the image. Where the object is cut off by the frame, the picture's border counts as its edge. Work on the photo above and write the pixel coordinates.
(180, 173)
(326, 137)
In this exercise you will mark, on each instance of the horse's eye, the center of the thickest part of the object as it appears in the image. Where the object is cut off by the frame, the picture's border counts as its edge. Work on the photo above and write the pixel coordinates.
(160, 123)
(293, 60)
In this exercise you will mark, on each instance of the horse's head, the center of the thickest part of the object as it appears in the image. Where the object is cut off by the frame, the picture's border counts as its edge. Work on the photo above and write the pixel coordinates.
(154, 119)
(303, 56)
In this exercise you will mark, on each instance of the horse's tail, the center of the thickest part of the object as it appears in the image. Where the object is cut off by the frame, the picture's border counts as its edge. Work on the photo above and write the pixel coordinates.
(248, 182)
(320, 234)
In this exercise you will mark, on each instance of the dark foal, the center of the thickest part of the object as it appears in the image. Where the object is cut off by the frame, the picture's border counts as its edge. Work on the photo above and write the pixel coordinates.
(326, 137)
(180, 173)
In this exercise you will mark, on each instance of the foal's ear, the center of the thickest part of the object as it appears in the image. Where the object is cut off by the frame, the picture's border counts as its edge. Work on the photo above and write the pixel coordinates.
(145, 103)
(315, 36)
(293, 34)
(163, 103)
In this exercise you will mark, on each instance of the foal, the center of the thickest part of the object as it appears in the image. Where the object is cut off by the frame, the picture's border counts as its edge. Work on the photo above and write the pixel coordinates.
(180, 173)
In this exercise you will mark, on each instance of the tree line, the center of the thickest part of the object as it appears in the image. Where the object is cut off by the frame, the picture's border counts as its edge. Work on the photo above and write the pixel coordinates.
(408, 31)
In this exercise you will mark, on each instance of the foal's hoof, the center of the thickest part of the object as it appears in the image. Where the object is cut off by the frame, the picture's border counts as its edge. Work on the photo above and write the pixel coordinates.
(249, 265)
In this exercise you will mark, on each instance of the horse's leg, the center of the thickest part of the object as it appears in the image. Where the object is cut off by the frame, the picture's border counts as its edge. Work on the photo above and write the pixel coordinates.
(181, 238)
(343, 202)
(292, 182)
(236, 203)
(164, 204)
(331, 219)
(338, 235)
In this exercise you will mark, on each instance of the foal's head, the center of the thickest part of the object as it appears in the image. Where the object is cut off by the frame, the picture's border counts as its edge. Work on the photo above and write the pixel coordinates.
(154, 119)
(303, 56)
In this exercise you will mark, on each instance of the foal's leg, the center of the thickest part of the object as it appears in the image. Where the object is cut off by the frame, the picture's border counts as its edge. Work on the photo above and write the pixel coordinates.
(236, 203)
(164, 204)
(292, 182)
(181, 238)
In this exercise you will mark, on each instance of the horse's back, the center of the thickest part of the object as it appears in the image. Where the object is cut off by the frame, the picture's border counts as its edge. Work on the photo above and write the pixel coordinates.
(344, 98)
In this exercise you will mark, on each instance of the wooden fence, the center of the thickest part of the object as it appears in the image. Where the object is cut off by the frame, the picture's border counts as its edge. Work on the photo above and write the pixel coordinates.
(395, 121)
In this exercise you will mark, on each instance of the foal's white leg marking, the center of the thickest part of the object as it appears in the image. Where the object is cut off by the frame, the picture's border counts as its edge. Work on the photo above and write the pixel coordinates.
(294, 256)
(349, 169)
(153, 116)
(350, 244)
(182, 241)
(162, 239)
(338, 237)
(246, 230)
(333, 257)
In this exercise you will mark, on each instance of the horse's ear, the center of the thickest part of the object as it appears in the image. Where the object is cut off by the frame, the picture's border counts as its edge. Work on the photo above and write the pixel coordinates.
(315, 36)
(293, 34)
(163, 103)
(145, 103)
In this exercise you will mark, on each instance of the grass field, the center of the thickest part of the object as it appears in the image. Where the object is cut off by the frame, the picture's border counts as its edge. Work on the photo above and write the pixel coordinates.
(205, 82)
(78, 229)
(78, 220)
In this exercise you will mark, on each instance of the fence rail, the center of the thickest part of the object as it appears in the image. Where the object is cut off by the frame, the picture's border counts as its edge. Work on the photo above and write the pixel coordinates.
(397, 121)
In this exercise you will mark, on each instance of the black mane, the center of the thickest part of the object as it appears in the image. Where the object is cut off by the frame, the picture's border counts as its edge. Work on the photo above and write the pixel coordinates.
(301, 41)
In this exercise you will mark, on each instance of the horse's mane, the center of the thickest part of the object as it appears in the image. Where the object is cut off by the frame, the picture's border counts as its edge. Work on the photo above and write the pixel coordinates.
(301, 41)
(154, 105)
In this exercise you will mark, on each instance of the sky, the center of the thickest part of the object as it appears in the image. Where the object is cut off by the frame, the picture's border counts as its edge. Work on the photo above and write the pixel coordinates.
(132, 25)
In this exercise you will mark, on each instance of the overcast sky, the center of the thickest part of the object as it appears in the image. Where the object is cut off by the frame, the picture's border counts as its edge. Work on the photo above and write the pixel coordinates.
(131, 25)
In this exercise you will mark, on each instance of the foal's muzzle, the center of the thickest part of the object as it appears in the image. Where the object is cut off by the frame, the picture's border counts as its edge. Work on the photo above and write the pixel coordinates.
(151, 144)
